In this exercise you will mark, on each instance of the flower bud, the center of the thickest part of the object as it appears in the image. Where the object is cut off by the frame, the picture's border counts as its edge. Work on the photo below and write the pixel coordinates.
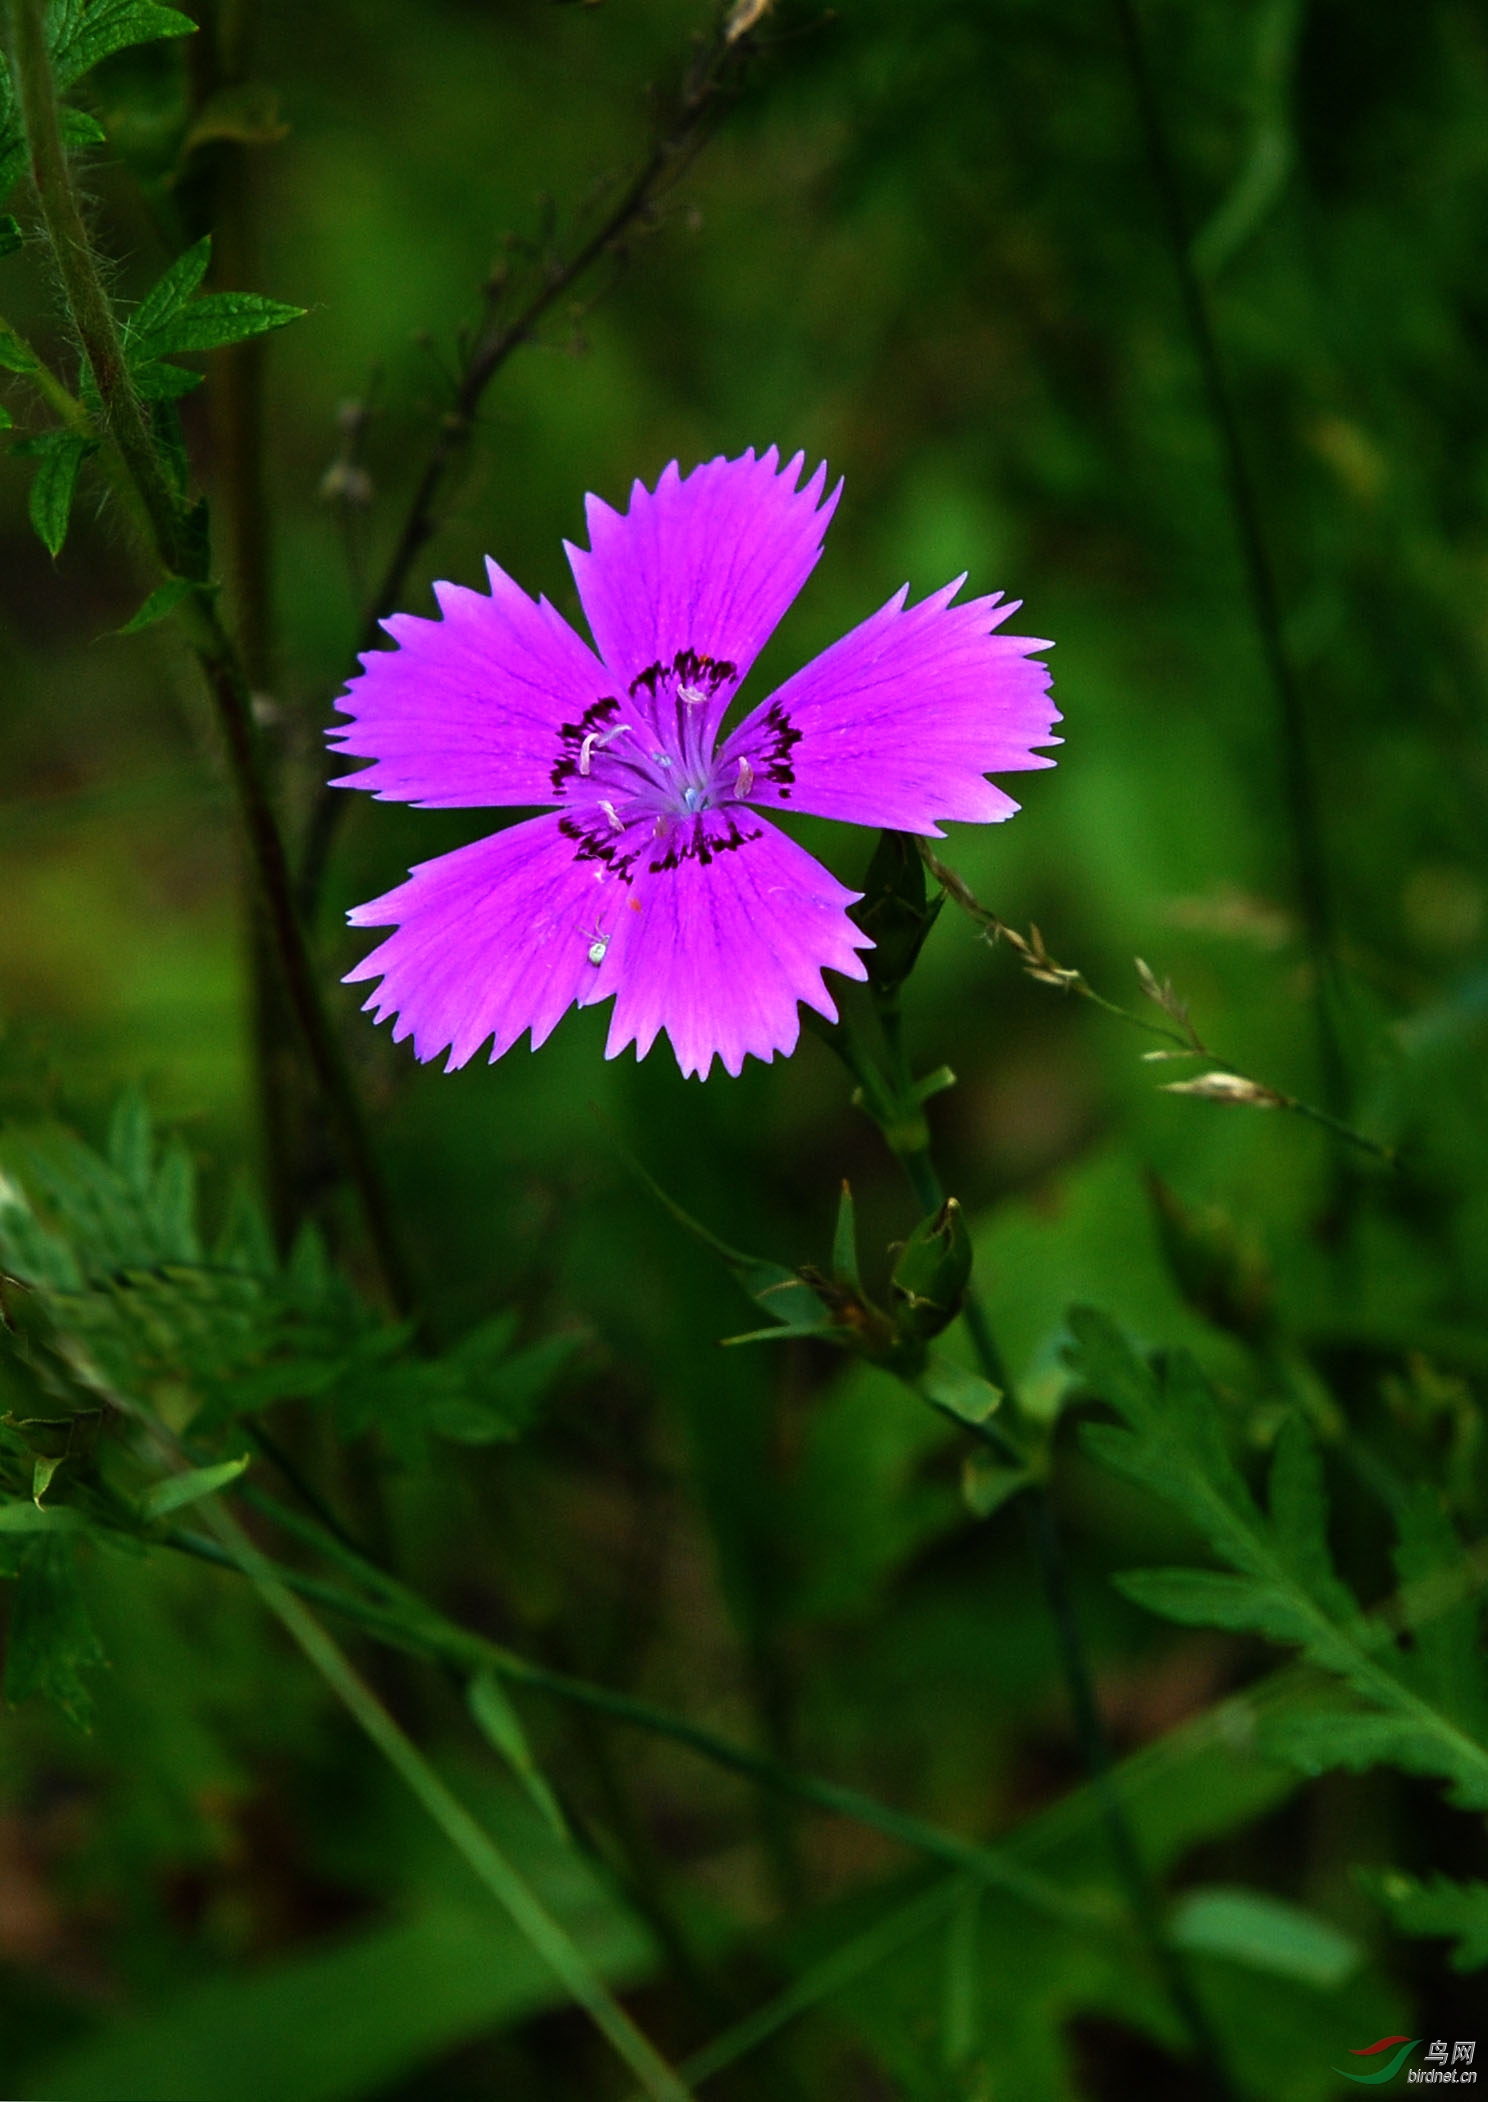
(929, 1280)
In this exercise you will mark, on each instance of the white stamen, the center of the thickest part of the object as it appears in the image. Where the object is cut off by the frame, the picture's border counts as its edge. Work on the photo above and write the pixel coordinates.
(744, 781)
(692, 695)
(596, 742)
(616, 821)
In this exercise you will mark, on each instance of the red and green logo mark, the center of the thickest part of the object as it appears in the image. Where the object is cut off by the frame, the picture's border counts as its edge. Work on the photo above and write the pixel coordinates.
(1391, 2066)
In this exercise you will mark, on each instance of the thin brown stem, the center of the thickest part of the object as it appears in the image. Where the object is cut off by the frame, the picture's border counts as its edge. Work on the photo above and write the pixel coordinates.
(1225, 1082)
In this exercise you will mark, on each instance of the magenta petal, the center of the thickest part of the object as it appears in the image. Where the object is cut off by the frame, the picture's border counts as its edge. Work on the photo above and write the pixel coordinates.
(491, 940)
(898, 723)
(467, 710)
(733, 925)
(706, 564)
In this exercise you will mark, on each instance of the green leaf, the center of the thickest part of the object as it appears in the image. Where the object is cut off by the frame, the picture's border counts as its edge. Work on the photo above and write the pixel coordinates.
(154, 380)
(502, 1727)
(963, 1393)
(15, 355)
(1265, 1933)
(10, 235)
(58, 455)
(51, 1637)
(1440, 1907)
(1205, 1598)
(217, 318)
(7, 421)
(86, 34)
(179, 1490)
(162, 602)
(845, 1270)
(39, 1518)
(169, 293)
(987, 1486)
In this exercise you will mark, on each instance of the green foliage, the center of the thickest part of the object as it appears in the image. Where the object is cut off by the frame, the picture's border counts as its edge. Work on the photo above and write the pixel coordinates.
(1438, 1907)
(173, 318)
(1421, 1705)
(81, 34)
(59, 456)
(50, 1642)
(110, 1246)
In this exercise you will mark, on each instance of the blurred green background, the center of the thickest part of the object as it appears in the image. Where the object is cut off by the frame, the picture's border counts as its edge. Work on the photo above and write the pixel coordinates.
(925, 244)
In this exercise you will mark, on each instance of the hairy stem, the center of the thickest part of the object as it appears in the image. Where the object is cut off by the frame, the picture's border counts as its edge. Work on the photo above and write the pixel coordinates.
(97, 328)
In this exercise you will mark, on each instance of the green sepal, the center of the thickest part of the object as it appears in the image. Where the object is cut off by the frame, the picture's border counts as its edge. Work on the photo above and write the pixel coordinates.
(929, 1280)
(895, 911)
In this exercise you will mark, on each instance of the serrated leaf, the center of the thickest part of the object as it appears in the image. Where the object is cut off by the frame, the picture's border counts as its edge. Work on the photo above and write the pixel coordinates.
(89, 34)
(131, 1143)
(1299, 1517)
(1319, 1740)
(1207, 1598)
(1265, 1934)
(170, 292)
(216, 319)
(162, 602)
(59, 455)
(179, 1490)
(1440, 1907)
(1445, 1661)
(154, 380)
(51, 1639)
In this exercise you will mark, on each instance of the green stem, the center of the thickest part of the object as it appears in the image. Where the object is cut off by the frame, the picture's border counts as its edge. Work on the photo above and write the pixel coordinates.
(124, 419)
(475, 1845)
(1297, 765)
(1141, 1894)
(407, 1622)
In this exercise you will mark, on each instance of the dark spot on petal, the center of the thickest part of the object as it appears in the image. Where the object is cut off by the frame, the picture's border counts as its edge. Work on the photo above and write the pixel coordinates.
(595, 718)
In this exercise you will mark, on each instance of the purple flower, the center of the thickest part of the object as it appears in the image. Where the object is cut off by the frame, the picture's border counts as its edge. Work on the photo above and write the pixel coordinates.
(655, 876)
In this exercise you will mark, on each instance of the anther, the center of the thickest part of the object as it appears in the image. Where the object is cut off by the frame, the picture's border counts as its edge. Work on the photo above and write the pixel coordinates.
(692, 695)
(744, 780)
(617, 823)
